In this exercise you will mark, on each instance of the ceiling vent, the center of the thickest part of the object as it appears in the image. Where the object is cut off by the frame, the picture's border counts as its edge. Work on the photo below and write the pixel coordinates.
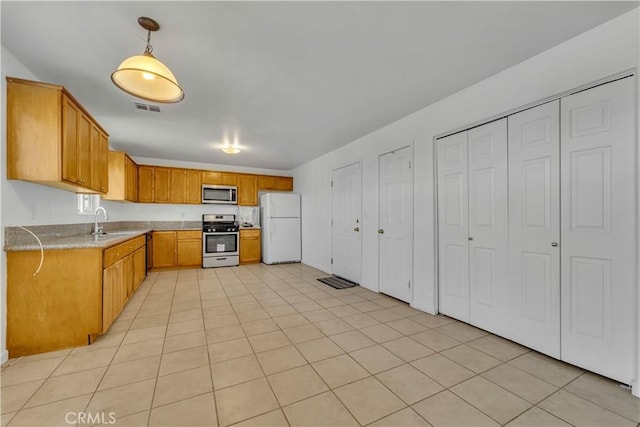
(147, 107)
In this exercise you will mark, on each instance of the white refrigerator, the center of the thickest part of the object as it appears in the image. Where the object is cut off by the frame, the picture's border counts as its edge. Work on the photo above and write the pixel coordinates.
(280, 228)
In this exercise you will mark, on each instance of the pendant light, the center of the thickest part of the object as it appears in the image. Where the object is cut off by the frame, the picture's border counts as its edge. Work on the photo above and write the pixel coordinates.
(145, 77)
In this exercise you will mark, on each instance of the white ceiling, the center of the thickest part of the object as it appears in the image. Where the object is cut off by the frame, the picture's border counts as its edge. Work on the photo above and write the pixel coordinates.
(293, 80)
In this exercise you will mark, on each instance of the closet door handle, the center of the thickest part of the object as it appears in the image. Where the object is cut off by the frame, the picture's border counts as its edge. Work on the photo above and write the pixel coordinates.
(554, 244)
(470, 238)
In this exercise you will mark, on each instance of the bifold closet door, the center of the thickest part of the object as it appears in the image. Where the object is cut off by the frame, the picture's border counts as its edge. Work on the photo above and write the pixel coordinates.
(534, 228)
(453, 226)
(598, 241)
(488, 227)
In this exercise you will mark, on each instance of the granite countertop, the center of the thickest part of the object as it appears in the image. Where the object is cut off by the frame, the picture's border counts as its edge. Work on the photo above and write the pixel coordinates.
(83, 241)
(78, 236)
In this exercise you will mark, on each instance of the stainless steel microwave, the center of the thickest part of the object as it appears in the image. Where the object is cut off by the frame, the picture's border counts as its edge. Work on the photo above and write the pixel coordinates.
(221, 194)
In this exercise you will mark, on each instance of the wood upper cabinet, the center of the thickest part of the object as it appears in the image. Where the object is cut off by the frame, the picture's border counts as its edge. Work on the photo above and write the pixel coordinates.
(250, 246)
(51, 138)
(194, 186)
(284, 183)
(123, 178)
(162, 185)
(99, 159)
(277, 183)
(178, 186)
(222, 178)
(247, 190)
(164, 249)
(146, 184)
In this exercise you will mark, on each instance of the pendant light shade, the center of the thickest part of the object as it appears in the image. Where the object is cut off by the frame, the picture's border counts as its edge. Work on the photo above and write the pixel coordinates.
(145, 77)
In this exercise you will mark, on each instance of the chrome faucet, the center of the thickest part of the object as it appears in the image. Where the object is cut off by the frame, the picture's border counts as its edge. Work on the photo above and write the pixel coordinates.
(97, 229)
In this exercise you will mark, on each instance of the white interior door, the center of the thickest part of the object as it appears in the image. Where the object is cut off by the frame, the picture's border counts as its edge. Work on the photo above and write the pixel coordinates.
(534, 228)
(346, 198)
(453, 227)
(598, 241)
(396, 223)
(488, 226)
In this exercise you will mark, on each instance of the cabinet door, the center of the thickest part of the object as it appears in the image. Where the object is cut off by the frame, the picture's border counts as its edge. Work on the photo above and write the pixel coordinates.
(161, 185)
(94, 146)
(250, 246)
(228, 178)
(194, 187)
(210, 177)
(247, 190)
(103, 163)
(139, 266)
(108, 285)
(164, 249)
(70, 115)
(267, 182)
(146, 184)
(127, 286)
(84, 150)
(284, 183)
(190, 252)
(178, 186)
(112, 293)
(131, 180)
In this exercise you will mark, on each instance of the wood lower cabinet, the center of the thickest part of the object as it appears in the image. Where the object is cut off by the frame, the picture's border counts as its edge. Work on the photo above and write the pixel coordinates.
(74, 297)
(189, 248)
(51, 138)
(250, 246)
(164, 249)
(247, 190)
(173, 249)
(124, 269)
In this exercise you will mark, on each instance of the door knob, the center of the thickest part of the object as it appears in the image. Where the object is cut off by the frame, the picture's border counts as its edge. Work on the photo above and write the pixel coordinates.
(554, 244)
(470, 238)
(356, 229)
(381, 231)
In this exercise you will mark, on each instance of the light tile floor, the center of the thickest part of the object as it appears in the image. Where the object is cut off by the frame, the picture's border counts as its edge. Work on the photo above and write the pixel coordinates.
(270, 345)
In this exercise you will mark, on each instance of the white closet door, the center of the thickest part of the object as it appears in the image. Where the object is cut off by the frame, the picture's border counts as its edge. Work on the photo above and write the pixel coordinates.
(488, 226)
(534, 228)
(453, 227)
(598, 242)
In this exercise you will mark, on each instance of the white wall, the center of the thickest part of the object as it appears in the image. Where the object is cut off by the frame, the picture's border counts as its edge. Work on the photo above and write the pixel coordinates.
(606, 50)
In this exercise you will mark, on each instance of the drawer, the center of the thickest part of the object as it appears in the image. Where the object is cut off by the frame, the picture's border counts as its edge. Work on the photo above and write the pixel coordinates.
(253, 233)
(117, 252)
(189, 234)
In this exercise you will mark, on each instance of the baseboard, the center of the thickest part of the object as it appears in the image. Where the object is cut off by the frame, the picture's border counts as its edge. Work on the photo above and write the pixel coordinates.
(4, 356)
(317, 267)
(423, 307)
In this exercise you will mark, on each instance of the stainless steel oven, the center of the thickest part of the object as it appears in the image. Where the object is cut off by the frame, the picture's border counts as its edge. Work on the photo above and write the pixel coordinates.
(220, 241)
